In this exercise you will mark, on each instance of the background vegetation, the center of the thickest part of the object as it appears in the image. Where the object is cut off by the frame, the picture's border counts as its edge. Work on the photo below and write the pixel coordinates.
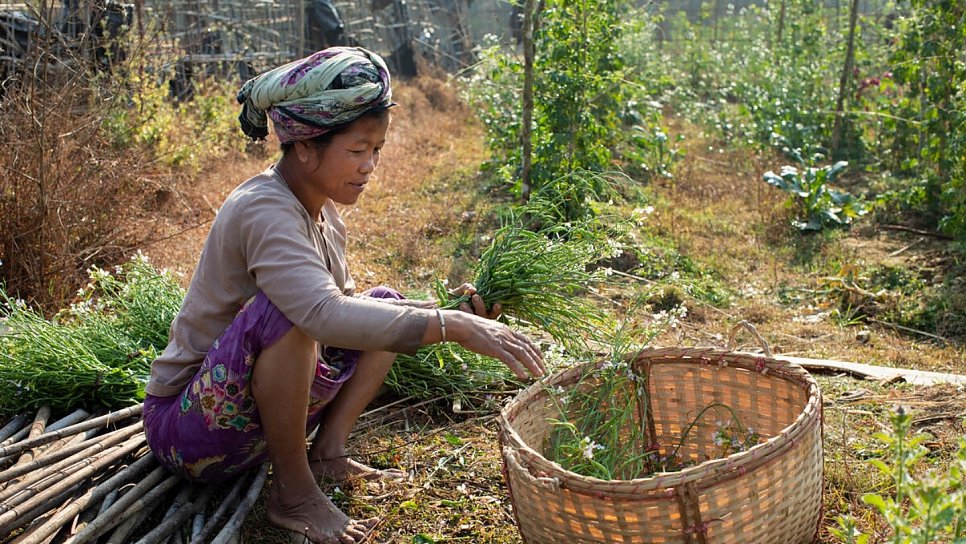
(655, 128)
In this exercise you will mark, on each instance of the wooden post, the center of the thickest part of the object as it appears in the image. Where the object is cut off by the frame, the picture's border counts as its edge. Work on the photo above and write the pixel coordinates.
(300, 23)
(527, 117)
(844, 80)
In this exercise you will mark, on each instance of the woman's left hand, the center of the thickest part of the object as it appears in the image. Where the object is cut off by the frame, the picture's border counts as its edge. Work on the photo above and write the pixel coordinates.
(475, 305)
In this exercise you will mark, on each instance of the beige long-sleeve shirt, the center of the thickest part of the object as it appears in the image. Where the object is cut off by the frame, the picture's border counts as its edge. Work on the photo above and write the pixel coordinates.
(262, 238)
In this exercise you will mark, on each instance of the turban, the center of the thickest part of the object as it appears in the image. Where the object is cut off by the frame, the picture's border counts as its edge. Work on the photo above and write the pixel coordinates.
(310, 97)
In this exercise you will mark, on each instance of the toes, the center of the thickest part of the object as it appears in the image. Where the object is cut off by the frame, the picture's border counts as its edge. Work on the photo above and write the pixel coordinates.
(367, 524)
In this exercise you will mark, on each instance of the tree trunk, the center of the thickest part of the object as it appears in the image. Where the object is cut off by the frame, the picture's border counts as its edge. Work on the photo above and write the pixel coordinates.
(844, 80)
(527, 117)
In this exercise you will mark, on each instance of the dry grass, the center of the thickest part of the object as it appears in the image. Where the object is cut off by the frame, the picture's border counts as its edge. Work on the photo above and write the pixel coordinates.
(65, 191)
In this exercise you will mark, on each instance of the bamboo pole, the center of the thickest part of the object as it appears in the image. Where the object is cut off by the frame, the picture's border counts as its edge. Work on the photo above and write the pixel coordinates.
(12, 427)
(178, 517)
(34, 479)
(197, 524)
(162, 531)
(219, 512)
(73, 418)
(124, 530)
(103, 490)
(59, 502)
(13, 518)
(131, 503)
(67, 456)
(36, 429)
(46, 438)
(234, 523)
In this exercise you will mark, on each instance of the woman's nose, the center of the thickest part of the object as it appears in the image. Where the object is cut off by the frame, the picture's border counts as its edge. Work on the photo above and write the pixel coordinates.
(369, 164)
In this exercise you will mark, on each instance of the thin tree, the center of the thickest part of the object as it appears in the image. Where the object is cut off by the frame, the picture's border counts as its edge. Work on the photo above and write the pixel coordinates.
(844, 80)
(526, 128)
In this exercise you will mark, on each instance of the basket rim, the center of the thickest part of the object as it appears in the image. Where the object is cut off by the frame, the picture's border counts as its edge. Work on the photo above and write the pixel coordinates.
(760, 454)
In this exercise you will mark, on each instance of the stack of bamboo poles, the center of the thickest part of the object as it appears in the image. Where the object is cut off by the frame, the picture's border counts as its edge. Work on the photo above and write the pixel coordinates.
(84, 478)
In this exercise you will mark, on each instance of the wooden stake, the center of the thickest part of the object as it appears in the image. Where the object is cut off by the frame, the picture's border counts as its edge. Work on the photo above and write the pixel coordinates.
(844, 80)
(527, 114)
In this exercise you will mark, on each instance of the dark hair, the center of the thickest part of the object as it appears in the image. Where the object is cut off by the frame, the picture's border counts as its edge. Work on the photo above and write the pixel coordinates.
(323, 140)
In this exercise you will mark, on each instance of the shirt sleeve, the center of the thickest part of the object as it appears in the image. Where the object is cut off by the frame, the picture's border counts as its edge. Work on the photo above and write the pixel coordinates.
(288, 268)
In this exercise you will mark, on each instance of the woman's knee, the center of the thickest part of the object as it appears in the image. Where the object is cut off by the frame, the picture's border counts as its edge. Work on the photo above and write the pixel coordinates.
(381, 291)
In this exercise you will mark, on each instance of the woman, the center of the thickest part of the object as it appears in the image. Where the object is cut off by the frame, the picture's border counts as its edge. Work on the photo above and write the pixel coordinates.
(270, 340)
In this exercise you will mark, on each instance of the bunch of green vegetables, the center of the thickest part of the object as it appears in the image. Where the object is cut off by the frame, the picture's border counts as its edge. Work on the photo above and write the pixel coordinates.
(538, 269)
(96, 352)
(448, 371)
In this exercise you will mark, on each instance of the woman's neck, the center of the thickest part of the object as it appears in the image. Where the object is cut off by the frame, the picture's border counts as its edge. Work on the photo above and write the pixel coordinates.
(289, 171)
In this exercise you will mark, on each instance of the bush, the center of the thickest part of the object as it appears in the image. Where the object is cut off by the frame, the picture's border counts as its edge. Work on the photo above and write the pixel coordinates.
(80, 139)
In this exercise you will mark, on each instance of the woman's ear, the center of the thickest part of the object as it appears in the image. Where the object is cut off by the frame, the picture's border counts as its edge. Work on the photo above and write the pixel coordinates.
(308, 154)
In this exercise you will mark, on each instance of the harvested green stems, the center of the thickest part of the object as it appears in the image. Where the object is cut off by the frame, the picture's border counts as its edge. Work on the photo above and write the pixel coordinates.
(538, 270)
(451, 372)
(98, 351)
(602, 425)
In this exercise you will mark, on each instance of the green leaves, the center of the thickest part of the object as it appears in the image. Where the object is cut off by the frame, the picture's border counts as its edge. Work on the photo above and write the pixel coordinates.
(821, 206)
(923, 508)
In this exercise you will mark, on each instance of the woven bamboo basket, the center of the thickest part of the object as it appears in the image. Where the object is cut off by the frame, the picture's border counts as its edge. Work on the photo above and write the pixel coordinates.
(768, 494)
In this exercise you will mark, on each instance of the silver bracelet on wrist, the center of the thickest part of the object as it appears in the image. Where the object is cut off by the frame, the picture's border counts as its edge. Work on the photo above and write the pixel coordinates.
(442, 325)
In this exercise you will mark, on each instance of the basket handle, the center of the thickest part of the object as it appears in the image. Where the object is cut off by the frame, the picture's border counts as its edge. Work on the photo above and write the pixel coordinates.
(733, 337)
(513, 460)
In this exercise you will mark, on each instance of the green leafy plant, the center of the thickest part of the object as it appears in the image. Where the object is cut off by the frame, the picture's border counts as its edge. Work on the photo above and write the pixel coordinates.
(923, 508)
(820, 206)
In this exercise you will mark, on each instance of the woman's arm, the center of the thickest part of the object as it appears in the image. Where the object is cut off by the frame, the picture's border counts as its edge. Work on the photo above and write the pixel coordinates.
(487, 337)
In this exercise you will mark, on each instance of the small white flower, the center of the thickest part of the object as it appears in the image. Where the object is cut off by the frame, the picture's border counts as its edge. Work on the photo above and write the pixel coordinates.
(588, 447)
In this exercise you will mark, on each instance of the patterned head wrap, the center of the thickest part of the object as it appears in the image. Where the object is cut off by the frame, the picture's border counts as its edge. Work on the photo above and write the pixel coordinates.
(309, 97)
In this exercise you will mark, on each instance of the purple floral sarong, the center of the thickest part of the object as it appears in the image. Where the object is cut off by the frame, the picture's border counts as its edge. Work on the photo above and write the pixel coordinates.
(212, 430)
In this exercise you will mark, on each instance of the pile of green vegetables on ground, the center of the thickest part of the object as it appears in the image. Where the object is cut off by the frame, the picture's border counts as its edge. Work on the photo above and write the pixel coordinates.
(96, 352)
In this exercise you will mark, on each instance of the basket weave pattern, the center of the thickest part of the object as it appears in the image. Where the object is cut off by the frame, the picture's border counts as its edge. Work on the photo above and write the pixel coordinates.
(770, 493)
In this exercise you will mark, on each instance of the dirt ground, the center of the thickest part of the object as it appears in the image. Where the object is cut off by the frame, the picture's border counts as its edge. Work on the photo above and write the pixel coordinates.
(427, 201)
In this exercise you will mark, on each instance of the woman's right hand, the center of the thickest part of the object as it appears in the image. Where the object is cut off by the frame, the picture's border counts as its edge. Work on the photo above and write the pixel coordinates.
(494, 339)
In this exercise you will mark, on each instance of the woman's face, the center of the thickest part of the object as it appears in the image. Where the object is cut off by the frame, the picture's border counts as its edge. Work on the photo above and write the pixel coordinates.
(345, 164)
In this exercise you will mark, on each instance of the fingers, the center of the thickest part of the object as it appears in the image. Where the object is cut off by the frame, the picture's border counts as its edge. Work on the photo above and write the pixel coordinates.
(465, 289)
(523, 357)
(477, 306)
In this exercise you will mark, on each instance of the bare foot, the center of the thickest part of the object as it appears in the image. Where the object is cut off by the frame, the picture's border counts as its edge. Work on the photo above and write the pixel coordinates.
(341, 469)
(314, 516)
